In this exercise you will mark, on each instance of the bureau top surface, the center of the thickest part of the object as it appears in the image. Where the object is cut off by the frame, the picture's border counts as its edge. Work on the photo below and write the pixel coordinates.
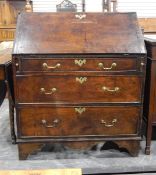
(76, 33)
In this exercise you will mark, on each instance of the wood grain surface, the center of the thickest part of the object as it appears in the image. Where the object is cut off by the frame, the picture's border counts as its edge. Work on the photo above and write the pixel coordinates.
(89, 121)
(61, 92)
(79, 64)
(89, 90)
(92, 34)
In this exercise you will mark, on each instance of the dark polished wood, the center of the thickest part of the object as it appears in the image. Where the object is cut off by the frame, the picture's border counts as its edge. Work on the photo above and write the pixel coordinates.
(26, 149)
(89, 121)
(80, 34)
(83, 89)
(150, 90)
(78, 84)
(80, 64)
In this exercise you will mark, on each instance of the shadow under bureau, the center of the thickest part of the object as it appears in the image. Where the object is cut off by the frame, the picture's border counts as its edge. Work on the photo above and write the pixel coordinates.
(78, 80)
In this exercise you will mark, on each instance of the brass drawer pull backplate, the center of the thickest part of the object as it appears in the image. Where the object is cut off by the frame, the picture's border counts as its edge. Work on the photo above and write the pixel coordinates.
(106, 89)
(110, 124)
(45, 66)
(101, 66)
(53, 125)
(53, 90)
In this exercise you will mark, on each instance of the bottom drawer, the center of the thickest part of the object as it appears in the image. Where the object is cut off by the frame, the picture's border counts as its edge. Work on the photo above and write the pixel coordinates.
(77, 121)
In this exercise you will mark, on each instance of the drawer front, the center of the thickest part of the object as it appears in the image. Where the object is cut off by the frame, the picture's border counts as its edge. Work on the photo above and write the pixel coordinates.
(61, 89)
(78, 64)
(76, 121)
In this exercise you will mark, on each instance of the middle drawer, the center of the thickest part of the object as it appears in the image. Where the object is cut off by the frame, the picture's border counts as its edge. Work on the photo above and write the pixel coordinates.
(77, 89)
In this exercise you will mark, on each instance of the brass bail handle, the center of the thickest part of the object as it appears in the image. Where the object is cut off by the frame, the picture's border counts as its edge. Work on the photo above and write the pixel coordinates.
(45, 66)
(107, 89)
(43, 91)
(101, 66)
(53, 125)
(110, 124)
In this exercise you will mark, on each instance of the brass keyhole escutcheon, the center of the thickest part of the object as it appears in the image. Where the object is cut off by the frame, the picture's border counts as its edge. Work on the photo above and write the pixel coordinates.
(80, 110)
(80, 62)
(80, 16)
(81, 80)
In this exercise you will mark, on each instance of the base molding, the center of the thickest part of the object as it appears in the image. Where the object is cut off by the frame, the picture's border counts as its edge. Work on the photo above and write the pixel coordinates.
(131, 147)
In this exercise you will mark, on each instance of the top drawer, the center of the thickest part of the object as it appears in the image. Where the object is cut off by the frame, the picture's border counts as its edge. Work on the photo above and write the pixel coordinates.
(78, 64)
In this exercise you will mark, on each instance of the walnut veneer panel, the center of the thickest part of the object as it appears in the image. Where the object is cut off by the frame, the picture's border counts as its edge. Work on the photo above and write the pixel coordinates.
(78, 89)
(78, 34)
(79, 64)
(76, 121)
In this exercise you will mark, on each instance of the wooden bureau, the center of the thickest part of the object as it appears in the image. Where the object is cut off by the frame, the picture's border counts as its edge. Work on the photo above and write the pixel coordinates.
(78, 80)
(150, 100)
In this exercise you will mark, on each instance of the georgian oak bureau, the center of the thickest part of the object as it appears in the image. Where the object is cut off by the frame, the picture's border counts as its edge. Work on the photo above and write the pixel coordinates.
(150, 88)
(78, 80)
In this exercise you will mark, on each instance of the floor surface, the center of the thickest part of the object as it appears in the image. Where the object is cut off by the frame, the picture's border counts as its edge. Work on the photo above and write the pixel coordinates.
(91, 162)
